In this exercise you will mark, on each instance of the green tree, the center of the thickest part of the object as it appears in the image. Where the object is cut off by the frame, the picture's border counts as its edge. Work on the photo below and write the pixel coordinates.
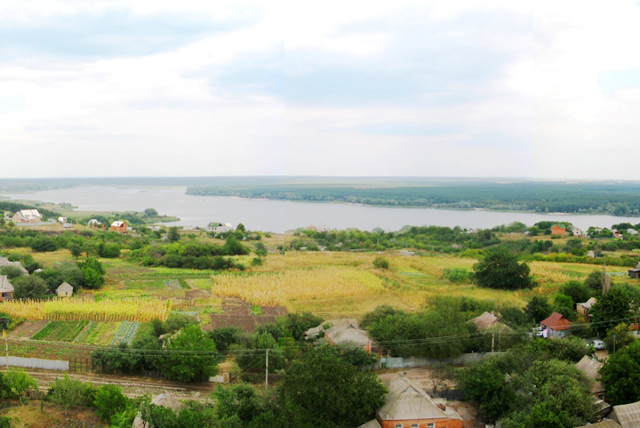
(76, 250)
(173, 235)
(578, 291)
(381, 263)
(150, 212)
(323, 390)
(538, 308)
(501, 270)
(594, 280)
(485, 385)
(11, 271)
(610, 310)
(191, 355)
(109, 401)
(29, 287)
(618, 338)
(564, 305)
(620, 375)
(240, 400)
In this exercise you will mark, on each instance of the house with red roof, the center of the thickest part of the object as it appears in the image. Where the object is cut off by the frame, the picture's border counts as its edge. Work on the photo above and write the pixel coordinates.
(556, 325)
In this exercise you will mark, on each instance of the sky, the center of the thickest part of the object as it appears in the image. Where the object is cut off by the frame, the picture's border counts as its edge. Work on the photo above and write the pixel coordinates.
(461, 88)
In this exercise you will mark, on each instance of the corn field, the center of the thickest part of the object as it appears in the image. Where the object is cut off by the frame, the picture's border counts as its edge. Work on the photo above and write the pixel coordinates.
(85, 309)
(304, 284)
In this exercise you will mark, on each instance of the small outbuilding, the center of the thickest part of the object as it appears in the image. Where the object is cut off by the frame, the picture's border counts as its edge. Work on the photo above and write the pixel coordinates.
(635, 273)
(64, 290)
(6, 289)
(585, 307)
(489, 323)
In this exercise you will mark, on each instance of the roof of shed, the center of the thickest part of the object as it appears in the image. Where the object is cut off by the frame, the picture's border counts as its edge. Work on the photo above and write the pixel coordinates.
(627, 415)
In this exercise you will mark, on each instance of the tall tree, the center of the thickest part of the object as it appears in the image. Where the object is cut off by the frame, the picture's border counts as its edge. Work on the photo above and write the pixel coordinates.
(501, 270)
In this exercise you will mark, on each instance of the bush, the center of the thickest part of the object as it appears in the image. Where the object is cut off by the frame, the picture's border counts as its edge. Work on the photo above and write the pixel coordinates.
(381, 263)
(109, 401)
(11, 272)
(457, 275)
(17, 383)
(70, 393)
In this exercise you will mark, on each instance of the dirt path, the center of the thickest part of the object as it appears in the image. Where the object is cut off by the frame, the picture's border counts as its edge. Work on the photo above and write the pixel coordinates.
(27, 329)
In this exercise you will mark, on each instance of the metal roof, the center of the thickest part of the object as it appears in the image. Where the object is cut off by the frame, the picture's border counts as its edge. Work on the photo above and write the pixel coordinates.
(627, 415)
(406, 400)
(5, 285)
(590, 367)
(556, 322)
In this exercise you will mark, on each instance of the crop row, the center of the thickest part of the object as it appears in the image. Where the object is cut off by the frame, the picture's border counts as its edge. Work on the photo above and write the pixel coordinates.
(62, 331)
(126, 333)
(71, 309)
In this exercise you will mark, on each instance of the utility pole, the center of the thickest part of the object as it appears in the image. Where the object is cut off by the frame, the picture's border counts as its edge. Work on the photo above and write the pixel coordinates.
(493, 340)
(6, 346)
(266, 372)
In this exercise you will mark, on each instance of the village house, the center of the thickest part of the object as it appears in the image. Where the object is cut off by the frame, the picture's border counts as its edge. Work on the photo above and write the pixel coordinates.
(627, 415)
(556, 229)
(5, 262)
(409, 406)
(556, 325)
(341, 331)
(64, 290)
(584, 308)
(6, 289)
(577, 232)
(27, 216)
(216, 227)
(119, 226)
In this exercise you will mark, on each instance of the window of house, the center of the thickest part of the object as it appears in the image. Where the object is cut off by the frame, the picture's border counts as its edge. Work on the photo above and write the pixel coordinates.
(398, 426)
(431, 425)
(414, 426)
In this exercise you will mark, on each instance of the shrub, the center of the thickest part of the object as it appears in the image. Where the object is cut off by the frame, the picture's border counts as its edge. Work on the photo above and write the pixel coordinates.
(17, 383)
(70, 393)
(11, 272)
(109, 401)
(457, 275)
(381, 263)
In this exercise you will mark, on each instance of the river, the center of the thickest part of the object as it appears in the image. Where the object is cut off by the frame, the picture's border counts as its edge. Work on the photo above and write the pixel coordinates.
(280, 216)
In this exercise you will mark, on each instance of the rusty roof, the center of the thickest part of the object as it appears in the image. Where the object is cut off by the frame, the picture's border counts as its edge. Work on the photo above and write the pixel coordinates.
(556, 322)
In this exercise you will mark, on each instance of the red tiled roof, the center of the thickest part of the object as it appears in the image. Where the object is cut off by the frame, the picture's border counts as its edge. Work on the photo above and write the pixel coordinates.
(556, 322)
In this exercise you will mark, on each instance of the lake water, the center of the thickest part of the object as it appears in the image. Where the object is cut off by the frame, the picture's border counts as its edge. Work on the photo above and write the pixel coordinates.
(280, 216)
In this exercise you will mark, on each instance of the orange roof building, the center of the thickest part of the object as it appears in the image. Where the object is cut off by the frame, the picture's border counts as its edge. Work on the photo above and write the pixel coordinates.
(557, 324)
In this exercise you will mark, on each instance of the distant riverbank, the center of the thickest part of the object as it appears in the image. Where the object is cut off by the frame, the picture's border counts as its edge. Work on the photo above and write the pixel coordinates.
(280, 216)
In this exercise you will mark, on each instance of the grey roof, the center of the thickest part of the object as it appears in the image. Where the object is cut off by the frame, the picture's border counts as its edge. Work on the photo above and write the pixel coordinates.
(627, 415)
(488, 321)
(407, 400)
(347, 330)
(65, 286)
(590, 367)
(5, 285)
(5, 262)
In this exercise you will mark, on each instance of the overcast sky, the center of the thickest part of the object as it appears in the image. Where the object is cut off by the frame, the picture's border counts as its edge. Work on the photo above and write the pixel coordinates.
(460, 88)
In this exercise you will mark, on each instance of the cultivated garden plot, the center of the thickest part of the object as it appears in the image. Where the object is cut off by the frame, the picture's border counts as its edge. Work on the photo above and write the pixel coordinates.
(61, 331)
(126, 333)
(98, 333)
(172, 284)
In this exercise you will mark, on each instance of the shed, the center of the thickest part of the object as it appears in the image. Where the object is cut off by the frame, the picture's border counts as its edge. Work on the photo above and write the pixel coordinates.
(6, 289)
(635, 273)
(558, 325)
(488, 322)
(627, 415)
(64, 290)
(584, 308)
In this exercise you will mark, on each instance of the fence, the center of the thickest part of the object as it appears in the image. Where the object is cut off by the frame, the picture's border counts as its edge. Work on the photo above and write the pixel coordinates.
(80, 364)
(406, 363)
(35, 363)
